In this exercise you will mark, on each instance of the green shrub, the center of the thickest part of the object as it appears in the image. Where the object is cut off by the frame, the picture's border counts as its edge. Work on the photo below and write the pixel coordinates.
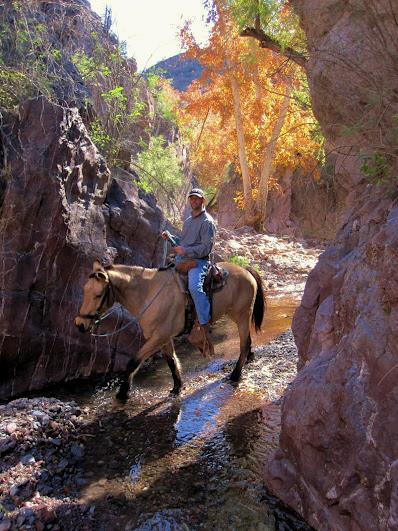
(239, 260)
(105, 68)
(160, 173)
(377, 169)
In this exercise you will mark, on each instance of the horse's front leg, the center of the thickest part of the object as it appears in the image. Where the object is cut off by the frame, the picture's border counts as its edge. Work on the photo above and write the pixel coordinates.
(174, 364)
(153, 344)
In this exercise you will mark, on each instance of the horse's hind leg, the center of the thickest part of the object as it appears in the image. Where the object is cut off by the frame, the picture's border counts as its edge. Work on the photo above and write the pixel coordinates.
(250, 354)
(151, 346)
(245, 344)
(174, 364)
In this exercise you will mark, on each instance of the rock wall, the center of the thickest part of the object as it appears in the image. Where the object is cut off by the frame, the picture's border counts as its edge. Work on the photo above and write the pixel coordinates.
(298, 208)
(60, 208)
(279, 207)
(352, 72)
(337, 459)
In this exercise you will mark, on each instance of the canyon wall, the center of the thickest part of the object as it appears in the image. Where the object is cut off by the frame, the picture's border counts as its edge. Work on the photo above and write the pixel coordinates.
(60, 209)
(337, 458)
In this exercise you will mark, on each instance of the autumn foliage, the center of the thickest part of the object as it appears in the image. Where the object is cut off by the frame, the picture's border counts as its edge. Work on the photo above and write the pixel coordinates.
(208, 114)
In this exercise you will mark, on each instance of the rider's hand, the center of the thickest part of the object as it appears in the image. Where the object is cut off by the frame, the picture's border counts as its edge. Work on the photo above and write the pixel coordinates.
(179, 250)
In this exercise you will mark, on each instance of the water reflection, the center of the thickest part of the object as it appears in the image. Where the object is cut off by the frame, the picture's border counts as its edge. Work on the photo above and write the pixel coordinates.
(199, 411)
(135, 470)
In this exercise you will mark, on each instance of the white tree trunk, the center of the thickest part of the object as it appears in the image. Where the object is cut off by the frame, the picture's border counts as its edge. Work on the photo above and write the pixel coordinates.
(262, 195)
(247, 187)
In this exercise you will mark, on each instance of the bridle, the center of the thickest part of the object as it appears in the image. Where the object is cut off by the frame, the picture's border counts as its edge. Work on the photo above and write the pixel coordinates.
(106, 295)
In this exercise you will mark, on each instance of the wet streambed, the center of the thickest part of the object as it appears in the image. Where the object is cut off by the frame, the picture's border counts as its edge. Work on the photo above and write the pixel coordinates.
(192, 462)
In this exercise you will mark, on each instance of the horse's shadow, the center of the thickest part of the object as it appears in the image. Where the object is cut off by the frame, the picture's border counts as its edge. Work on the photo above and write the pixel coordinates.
(174, 421)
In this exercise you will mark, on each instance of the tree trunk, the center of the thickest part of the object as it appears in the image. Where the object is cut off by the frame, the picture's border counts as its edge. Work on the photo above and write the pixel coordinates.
(247, 186)
(262, 195)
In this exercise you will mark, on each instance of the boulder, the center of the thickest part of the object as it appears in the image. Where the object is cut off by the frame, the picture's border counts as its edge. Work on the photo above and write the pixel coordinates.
(60, 209)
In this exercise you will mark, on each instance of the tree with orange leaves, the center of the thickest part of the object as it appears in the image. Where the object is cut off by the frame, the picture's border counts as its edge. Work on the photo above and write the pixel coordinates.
(247, 109)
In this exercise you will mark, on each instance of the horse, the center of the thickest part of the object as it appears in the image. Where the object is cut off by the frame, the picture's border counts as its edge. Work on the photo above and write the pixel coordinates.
(156, 298)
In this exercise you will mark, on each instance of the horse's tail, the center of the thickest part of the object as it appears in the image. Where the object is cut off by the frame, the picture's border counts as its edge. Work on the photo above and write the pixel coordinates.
(260, 302)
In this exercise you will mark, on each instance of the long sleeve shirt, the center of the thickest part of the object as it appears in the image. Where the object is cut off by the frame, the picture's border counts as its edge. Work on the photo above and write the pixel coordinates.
(198, 235)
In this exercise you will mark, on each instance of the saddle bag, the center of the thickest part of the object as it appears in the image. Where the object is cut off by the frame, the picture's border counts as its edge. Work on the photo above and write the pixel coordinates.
(184, 266)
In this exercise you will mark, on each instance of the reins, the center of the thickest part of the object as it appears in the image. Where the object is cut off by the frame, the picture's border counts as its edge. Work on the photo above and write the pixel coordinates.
(173, 243)
(134, 319)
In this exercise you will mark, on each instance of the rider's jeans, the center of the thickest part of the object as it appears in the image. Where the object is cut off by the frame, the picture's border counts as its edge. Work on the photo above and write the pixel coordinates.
(196, 277)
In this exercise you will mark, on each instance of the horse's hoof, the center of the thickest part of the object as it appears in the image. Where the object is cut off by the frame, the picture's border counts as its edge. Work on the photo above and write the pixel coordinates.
(235, 376)
(175, 391)
(122, 396)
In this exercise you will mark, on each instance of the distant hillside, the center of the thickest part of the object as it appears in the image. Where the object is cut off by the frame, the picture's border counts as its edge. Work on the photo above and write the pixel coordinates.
(181, 72)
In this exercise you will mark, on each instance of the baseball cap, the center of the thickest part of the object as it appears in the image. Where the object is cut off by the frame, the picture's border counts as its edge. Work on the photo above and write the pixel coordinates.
(196, 191)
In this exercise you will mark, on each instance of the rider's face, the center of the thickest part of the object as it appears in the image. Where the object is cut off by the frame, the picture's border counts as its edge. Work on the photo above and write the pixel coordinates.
(196, 202)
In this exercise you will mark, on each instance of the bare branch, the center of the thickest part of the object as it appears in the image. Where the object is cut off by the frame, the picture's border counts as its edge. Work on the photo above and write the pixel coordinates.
(272, 44)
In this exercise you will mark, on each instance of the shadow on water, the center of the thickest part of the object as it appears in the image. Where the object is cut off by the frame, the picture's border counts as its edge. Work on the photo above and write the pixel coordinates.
(193, 462)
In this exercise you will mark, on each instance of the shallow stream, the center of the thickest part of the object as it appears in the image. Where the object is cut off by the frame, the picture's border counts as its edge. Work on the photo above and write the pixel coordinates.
(192, 462)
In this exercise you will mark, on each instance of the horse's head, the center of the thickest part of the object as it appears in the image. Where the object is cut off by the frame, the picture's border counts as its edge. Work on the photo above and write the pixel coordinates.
(98, 297)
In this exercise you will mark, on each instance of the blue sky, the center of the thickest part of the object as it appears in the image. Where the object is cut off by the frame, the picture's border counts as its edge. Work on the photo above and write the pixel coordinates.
(149, 27)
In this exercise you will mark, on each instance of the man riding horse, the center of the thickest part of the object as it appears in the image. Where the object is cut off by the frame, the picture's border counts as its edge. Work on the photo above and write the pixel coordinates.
(196, 242)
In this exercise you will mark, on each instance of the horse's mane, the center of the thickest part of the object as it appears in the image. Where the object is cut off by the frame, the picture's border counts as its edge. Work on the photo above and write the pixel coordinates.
(129, 272)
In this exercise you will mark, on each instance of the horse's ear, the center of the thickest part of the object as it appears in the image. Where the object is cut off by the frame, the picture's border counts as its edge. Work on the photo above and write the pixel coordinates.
(100, 275)
(96, 266)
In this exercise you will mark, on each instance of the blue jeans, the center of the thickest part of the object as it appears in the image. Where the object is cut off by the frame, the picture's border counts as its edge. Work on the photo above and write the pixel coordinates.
(196, 278)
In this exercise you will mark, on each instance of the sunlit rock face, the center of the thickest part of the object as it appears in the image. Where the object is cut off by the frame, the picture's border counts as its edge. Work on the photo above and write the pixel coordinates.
(353, 76)
(60, 209)
(336, 462)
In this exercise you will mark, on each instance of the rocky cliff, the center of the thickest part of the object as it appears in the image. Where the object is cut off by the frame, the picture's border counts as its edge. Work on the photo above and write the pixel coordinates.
(336, 463)
(60, 205)
(60, 208)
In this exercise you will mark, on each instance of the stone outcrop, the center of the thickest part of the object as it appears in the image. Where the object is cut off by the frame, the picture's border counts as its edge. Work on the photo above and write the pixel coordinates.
(299, 207)
(336, 463)
(72, 37)
(60, 208)
(352, 72)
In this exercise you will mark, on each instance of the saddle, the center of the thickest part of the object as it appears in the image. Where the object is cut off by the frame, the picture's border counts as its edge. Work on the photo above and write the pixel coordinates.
(214, 280)
(184, 266)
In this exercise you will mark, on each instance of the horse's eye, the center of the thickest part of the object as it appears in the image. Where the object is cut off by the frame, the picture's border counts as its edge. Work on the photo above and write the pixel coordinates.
(98, 296)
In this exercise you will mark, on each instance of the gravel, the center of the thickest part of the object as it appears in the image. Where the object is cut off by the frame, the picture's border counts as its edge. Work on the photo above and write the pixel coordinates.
(42, 447)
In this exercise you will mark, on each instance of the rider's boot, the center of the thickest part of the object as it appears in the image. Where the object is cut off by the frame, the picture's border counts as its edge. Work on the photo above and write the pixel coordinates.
(201, 338)
(209, 347)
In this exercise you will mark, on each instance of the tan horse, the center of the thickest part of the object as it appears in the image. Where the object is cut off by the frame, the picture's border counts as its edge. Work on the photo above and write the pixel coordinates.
(242, 299)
